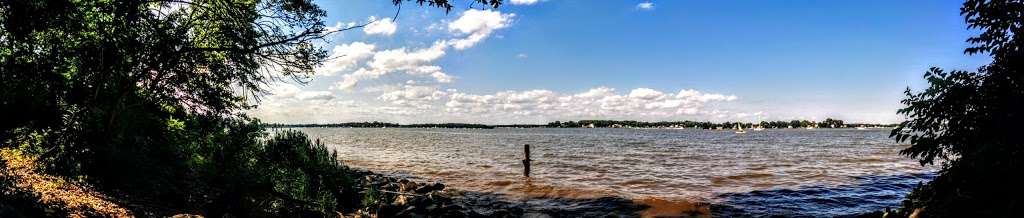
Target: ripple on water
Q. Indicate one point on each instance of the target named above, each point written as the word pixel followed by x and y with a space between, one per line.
pixel 787 172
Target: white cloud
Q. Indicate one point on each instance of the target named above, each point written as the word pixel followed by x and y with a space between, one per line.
pixel 646 94
pixel 474 24
pixel 645 6
pixel 383 26
pixel 524 2
pixel 597 92
pixel 339 26
pixel 413 92
pixel 413 95
pixel 522 55
pixel 403 59
pixel 282 91
pixel 415 102
pixel 477 25
pixel 695 95
pixel 344 57
pixel 289 102
pixel 416 62
pixel 599 102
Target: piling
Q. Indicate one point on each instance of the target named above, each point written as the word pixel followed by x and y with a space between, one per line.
pixel 526 161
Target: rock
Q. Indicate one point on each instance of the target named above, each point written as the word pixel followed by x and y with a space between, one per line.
pixel 408 211
pixel 423 189
pixel 438 186
pixel 401 200
pixel 407 187
pixel 455 207
pixel 454 213
pixel 389 186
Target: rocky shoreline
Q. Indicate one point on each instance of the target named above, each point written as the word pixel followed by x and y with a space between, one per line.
pixel 389 196
pixel 386 196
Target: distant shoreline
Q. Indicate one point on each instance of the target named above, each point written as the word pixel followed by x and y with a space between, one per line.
pixel 827 124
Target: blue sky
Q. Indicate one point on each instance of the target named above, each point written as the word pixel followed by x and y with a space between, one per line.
pixel 674 60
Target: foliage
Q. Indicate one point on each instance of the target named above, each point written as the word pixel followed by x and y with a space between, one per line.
pixel 143 99
pixel 966 122
pixel 95 75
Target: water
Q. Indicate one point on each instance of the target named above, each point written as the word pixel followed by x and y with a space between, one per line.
pixel 822 172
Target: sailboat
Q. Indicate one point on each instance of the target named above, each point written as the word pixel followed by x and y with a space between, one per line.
pixel 756 128
pixel 739 129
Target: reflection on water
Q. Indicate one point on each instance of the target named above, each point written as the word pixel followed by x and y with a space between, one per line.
pixel 664 169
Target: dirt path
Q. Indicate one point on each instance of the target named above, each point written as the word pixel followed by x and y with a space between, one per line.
pixel 55 192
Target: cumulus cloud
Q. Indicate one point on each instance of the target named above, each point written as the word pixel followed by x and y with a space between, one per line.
pixel 477 25
pixel 599 102
pixel 702 97
pixel 414 62
pixel 596 102
pixel 415 102
pixel 597 92
pixel 645 93
pixel 344 57
pixel 524 2
pixel 645 6
pixel 470 28
pixel 383 26
pixel 339 26
pixel 286 101
pixel 281 91
pixel 413 95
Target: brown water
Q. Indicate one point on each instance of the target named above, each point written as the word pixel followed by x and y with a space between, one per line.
pixel 801 172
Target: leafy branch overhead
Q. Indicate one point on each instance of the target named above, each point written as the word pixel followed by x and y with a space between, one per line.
pixel 964 121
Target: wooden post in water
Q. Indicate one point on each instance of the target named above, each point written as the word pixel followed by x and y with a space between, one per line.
pixel 526 161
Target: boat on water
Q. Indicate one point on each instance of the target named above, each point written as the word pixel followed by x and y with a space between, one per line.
pixel 739 129
pixel 757 128
pixel 861 127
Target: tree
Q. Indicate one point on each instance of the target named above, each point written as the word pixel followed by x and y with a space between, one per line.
pixel 965 122
pixel 831 123
pixel 144 97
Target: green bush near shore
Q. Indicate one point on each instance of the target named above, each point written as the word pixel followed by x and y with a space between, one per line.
pixel 241 170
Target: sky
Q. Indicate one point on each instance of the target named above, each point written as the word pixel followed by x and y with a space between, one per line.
pixel 537 61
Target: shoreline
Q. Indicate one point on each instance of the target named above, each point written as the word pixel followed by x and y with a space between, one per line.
pixel 405 197
pixel 478 204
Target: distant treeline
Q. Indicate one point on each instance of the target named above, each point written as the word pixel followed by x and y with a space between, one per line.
pixel 377 124
pixel 827 123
